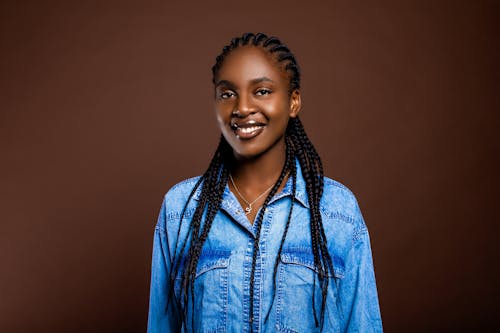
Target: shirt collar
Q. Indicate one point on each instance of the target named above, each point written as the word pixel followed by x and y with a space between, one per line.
pixel 300 193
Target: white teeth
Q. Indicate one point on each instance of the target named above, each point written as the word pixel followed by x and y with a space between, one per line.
pixel 247 130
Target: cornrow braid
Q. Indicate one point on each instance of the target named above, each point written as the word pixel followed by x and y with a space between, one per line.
pixel 272 45
pixel 213 181
pixel 258 38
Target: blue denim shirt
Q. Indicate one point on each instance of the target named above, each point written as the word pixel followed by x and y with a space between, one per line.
pixel 223 272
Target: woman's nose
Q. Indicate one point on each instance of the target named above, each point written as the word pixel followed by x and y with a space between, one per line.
pixel 245 106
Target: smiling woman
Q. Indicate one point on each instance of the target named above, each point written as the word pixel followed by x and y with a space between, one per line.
pixel 262 241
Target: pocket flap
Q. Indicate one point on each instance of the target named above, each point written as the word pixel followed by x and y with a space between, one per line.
pixel 304 257
pixel 212 259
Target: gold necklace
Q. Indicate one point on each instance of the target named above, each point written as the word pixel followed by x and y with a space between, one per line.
pixel 248 208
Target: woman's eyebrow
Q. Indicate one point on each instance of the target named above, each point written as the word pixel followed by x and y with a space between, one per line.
pixel 226 83
pixel 261 79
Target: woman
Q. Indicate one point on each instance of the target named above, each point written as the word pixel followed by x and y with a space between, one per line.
pixel 262 241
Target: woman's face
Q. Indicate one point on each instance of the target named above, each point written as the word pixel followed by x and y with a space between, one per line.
pixel 253 103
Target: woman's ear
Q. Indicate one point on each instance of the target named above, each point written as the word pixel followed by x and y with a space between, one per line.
pixel 295 103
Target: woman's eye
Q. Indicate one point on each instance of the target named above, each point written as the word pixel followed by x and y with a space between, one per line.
pixel 262 92
pixel 226 94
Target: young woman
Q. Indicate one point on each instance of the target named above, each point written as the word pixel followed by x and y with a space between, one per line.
pixel 262 241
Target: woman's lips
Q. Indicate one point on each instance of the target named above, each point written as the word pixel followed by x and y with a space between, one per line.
pixel 248 132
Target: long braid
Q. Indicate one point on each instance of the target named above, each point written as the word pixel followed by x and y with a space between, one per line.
pixel 258 224
pixel 211 193
pixel 313 173
pixel 306 171
pixel 213 207
pixel 293 175
pixel 212 187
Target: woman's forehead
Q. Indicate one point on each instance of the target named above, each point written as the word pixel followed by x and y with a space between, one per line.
pixel 250 62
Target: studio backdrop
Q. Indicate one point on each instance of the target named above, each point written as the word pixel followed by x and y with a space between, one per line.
pixel 106 104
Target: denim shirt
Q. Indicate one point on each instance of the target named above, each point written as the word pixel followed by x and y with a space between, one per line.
pixel 222 284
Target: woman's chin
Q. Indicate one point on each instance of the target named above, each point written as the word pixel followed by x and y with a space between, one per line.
pixel 249 153
pixel 246 155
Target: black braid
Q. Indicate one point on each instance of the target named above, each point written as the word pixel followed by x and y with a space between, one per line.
pixel 293 174
pixel 272 45
pixel 214 180
pixel 258 223
pixel 312 171
pixel 212 187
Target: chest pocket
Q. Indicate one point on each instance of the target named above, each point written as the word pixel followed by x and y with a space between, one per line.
pixel 211 293
pixel 296 276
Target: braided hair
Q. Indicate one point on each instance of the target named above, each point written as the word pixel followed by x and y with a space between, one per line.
pixel 215 178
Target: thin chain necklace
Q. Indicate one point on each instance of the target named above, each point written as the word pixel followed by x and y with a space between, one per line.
pixel 248 208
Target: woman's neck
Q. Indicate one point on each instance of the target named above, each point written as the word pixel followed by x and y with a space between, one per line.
pixel 252 179
pixel 253 176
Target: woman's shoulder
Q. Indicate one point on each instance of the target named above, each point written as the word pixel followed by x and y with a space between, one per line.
pixel 334 187
pixel 339 202
pixel 179 193
pixel 186 184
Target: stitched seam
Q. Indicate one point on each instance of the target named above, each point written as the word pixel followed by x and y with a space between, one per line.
pixel 338 216
pixel 177 215
pixel 358 233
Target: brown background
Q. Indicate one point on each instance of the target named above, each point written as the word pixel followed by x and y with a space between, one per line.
pixel 106 104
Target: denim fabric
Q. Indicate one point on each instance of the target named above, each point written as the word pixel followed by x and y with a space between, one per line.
pixel 223 272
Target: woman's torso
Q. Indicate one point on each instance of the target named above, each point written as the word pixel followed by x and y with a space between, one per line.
pixel 223 273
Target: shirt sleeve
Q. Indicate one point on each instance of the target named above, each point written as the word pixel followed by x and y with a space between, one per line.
pixel 163 316
pixel 358 291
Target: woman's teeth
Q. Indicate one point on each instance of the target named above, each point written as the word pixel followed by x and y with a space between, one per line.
pixel 247 130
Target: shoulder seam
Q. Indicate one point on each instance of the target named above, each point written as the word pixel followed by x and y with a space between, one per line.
pixel 336 184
